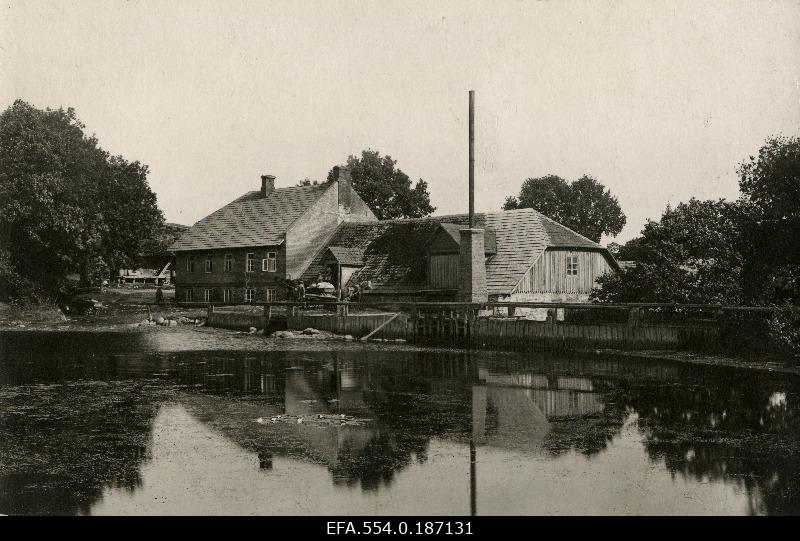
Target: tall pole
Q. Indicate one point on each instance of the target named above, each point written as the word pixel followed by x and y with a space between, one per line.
pixel 471 159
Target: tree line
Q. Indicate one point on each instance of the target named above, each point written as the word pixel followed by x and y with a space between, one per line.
pixel 745 251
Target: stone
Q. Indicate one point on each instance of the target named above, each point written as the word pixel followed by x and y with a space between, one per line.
pixel 253 330
pixel 310 331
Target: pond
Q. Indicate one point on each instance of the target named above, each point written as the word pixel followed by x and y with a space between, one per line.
pixel 97 424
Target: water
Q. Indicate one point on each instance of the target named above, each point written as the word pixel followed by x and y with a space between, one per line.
pixel 103 424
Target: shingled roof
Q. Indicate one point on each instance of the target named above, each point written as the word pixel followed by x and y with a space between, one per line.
pixel 393 251
pixel 250 220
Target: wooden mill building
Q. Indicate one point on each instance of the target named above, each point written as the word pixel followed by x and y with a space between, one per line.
pixel 528 257
pixel 245 251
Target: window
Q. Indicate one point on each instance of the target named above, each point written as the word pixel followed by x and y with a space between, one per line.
pixel 572 265
pixel 190 264
pixel 227 295
pixel 207 295
pixel 188 295
pixel 209 263
pixel 228 262
pixel 271 295
pixel 251 262
pixel 270 264
pixel 249 295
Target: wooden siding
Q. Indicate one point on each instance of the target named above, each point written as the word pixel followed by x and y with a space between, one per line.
pixel 549 273
pixel 237 279
pixel 443 270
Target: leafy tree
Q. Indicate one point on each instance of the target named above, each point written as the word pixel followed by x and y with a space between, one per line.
pixel 386 189
pixel 692 254
pixel 156 248
pixel 64 202
pixel 770 196
pixel 584 205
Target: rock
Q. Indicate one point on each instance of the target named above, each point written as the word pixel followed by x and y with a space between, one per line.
pixel 173 323
pixel 310 331
pixel 160 321
pixel 253 330
pixel 349 337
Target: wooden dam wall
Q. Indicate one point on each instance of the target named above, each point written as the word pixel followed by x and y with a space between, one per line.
pixel 502 325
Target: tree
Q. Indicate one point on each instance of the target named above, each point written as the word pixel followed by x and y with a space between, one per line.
pixel 585 205
pixel 64 202
pixel 770 196
pixel 387 190
pixel 692 254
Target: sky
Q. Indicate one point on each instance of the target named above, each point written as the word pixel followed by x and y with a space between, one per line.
pixel 659 100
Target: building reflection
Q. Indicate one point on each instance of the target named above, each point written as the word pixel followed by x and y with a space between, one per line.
pixel 702 423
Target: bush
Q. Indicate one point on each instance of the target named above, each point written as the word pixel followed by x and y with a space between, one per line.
pixel 784 331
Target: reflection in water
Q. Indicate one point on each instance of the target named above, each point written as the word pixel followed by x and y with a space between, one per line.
pixel 84 431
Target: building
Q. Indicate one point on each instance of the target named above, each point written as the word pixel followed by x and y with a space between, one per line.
pixel 147 276
pixel 248 249
pixel 527 257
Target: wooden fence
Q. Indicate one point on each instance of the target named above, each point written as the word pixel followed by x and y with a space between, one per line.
pixel 502 325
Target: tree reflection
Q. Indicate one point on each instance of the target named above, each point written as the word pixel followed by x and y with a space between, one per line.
pixel 743 432
pixel 62 445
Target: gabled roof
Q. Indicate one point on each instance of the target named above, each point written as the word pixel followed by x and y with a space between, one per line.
pixel 250 220
pixel 345 256
pixel 393 251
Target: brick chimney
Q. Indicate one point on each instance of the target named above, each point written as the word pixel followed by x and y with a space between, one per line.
pixel 345 182
pixel 267 185
pixel 472 266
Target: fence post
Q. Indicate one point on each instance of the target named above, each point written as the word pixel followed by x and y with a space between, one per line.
pixel 511 310
pixel 551 316
pixel 634 316
pixel 267 315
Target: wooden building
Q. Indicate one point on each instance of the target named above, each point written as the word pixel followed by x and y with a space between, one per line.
pixel 528 256
pixel 247 250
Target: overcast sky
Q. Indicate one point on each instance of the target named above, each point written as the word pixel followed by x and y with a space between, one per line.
pixel 658 100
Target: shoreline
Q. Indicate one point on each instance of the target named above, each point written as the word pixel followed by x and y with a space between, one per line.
pixel 187 337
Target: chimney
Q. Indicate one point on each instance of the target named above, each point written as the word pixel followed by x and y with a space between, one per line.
pixel 472 251
pixel 267 185
pixel 345 182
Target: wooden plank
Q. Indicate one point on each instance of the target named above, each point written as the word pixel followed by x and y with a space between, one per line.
pixel 395 316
